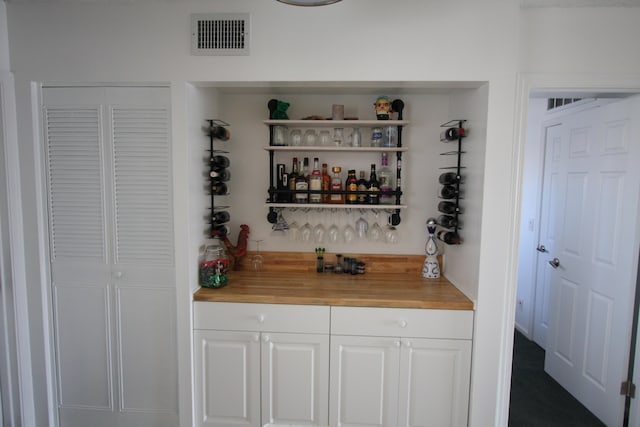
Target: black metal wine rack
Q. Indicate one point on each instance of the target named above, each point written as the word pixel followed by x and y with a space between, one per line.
pixel 216 130
pixel 457 128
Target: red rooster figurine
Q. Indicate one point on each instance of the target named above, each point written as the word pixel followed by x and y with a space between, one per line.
pixel 240 249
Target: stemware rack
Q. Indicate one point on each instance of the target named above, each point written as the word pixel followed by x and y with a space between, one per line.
pixel 457 168
pixel 213 125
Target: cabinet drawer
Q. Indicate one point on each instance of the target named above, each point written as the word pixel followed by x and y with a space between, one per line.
pixel 402 322
pixel 229 316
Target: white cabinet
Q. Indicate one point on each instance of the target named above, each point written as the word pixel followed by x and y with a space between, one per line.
pixel 261 363
pixel 399 367
pixel 340 366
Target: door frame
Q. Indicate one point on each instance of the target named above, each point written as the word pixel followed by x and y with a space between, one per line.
pixel 15 372
pixel 552 83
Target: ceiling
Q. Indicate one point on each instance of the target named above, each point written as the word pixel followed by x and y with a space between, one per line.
pixel 578 3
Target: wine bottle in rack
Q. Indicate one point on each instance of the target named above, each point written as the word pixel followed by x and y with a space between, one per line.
pixel 452 134
pixel 218 162
pixel 449 192
pixel 220 175
pixel 326 183
pixel 447 221
pixel 219 132
pixel 449 237
pixel 449 178
pixel 448 207
pixel 220 217
pixel 219 188
pixel 362 186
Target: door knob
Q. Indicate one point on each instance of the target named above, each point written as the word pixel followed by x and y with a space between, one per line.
pixel 541 248
pixel 555 263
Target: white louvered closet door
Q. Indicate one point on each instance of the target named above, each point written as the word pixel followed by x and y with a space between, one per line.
pixel 108 161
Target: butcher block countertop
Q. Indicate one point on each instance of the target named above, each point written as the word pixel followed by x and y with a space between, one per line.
pixel 290 278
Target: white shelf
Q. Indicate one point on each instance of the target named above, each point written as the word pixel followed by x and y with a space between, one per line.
pixel 332 206
pixel 333 148
pixel 336 123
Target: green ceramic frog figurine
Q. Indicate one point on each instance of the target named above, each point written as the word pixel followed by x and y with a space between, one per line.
pixel 278 109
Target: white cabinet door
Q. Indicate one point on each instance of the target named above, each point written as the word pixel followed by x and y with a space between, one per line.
pixel 109 192
pixel 434 382
pixel 364 381
pixel 227 378
pixel 295 379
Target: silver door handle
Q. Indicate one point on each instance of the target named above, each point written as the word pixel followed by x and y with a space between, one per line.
pixel 541 248
pixel 555 263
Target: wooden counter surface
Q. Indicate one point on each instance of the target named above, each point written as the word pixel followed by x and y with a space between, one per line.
pixel 403 287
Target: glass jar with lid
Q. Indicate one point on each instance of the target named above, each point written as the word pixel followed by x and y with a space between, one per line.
pixel 213 266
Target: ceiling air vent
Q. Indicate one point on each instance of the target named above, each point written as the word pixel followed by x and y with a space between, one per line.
pixel 220 34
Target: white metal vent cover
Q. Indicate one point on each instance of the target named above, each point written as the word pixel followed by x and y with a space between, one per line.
pixel 220 34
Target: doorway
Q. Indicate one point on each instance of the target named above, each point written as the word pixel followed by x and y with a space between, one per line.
pixel 534 307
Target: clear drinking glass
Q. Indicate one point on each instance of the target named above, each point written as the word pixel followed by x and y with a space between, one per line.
pixel 257 259
pixel 310 138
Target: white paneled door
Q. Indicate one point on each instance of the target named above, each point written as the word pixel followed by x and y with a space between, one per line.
pixel 107 158
pixel 594 260
pixel 549 217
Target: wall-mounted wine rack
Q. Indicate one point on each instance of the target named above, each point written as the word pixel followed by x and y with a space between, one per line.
pixel 218 176
pixel 450 193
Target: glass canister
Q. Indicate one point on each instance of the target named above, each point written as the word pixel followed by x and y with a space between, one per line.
pixel 214 266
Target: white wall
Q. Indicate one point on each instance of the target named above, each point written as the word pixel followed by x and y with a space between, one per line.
pixel 355 40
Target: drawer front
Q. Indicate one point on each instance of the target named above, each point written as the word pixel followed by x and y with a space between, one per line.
pixel 230 316
pixel 402 322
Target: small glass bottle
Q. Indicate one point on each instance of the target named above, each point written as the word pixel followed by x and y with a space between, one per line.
pixel 356 138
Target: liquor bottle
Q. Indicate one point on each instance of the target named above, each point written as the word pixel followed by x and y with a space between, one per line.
pixel 449 237
pixel 282 183
pixel 220 217
pixel 293 177
pixel 336 186
pixel 315 183
pixel 449 192
pixel 449 178
pixel 351 185
pixel 326 183
pixel 219 188
pixel 452 134
pixel 217 163
pixel 302 183
pixel 220 175
pixel 448 207
pixel 373 186
pixel 362 186
pixel 447 221
pixel 386 182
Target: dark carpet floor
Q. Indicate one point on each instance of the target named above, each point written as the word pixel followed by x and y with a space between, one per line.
pixel 537 400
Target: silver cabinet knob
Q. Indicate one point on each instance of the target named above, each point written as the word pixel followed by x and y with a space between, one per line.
pixel 541 248
pixel 555 263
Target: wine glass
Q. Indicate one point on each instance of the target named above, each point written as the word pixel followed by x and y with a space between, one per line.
pixel 257 259
pixel 375 233
pixel 318 233
pixel 293 233
pixel 391 234
pixel 305 232
pixel 362 226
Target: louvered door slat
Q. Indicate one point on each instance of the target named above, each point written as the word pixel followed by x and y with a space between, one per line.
pixel 143 203
pixel 73 146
